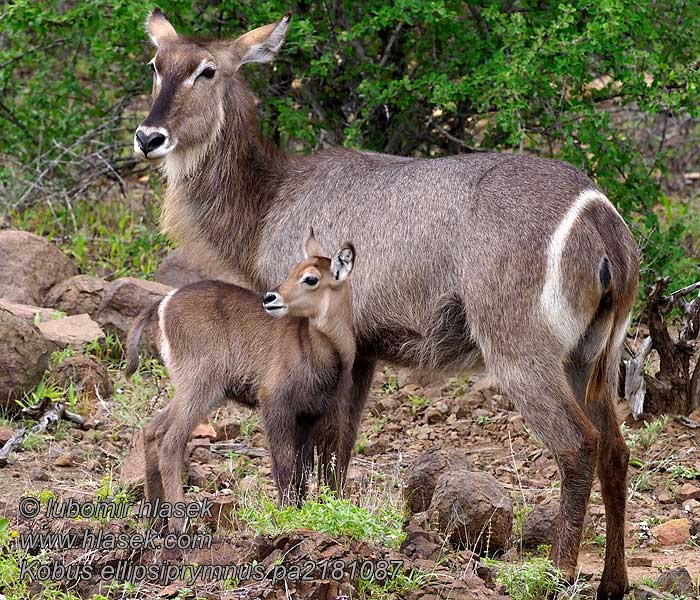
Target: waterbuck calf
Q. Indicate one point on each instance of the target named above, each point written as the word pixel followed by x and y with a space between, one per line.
pixel 513 261
pixel 290 352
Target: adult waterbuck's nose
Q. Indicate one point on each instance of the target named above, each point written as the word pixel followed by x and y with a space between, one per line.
pixel 152 142
pixel 149 142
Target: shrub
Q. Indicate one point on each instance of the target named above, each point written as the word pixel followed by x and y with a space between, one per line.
pixel 579 80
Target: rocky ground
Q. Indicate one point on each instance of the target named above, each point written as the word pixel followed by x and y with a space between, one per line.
pixel 447 482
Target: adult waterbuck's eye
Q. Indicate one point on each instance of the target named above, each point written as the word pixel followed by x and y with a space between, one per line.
pixel 310 280
pixel 208 73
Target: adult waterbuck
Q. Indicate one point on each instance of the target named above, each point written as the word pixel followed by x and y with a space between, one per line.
pixel 513 261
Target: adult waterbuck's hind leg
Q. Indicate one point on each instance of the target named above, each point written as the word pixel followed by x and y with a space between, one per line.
pixel 537 384
pixel 593 372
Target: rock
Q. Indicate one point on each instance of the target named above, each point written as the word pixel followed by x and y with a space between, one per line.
pixel 375 447
pixel 639 561
pixel 473 510
pixel 664 497
pixel 24 356
pixel 221 510
pixel 179 269
pixel 228 429
pixel 31 314
pixel 643 592
pixel 87 374
pixel 204 430
pixel 38 474
pixel 75 332
pixel 77 295
pixel 424 544
pixel 540 525
pixel 670 533
pixel 31 266
pixel 123 300
pixel 64 460
pixel 198 475
pixel 6 433
pixel 689 492
pixel 424 473
pixel 676 581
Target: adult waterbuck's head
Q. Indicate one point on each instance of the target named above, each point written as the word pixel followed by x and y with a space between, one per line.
pixel 191 79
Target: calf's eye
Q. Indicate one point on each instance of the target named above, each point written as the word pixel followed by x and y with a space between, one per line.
pixel 310 280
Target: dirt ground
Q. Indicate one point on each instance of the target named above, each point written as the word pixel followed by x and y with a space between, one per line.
pixel 402 421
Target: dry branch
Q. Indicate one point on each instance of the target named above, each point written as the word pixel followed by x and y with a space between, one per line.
pixel 674 389
pixel 232 447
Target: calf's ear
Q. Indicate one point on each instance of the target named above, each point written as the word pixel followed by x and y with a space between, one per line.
pixel 311 245
pixel 343 261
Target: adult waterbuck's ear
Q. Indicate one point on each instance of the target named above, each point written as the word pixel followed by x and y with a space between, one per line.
pixel 311 245
pixel 262 44
pixel 343 261
pixel 159 28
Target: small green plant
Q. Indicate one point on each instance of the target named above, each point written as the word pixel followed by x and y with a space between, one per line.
pixel 59 356
pixel 361 445
pixel 109 350
pixel 683 472
pixel 33 442
pixel 533 579
pixel 251 425
pixel 397 585
pixel 43 390
pixel 459 385
pixel 482 420
pixel 641 482
pixel 520 512
pixel 418 403
pixel 391 384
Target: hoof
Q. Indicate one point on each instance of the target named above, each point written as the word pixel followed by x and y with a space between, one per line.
pixel 608 590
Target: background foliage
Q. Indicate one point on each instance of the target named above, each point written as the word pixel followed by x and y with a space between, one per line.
pixel 608 85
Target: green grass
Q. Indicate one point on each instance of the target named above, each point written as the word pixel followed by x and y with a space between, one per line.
pixel 326 513
pixel 11 587
pixel 134 397
pixel 534 579
pixel 112 238
pixel 397 585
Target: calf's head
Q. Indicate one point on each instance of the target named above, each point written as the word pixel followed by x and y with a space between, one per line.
pixel 317 288
pixel 190 81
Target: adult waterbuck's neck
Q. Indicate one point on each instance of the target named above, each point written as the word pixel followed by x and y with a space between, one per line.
pixel 203 129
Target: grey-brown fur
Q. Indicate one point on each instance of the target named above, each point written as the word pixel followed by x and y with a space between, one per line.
pixel 219 343
pixel 465 240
